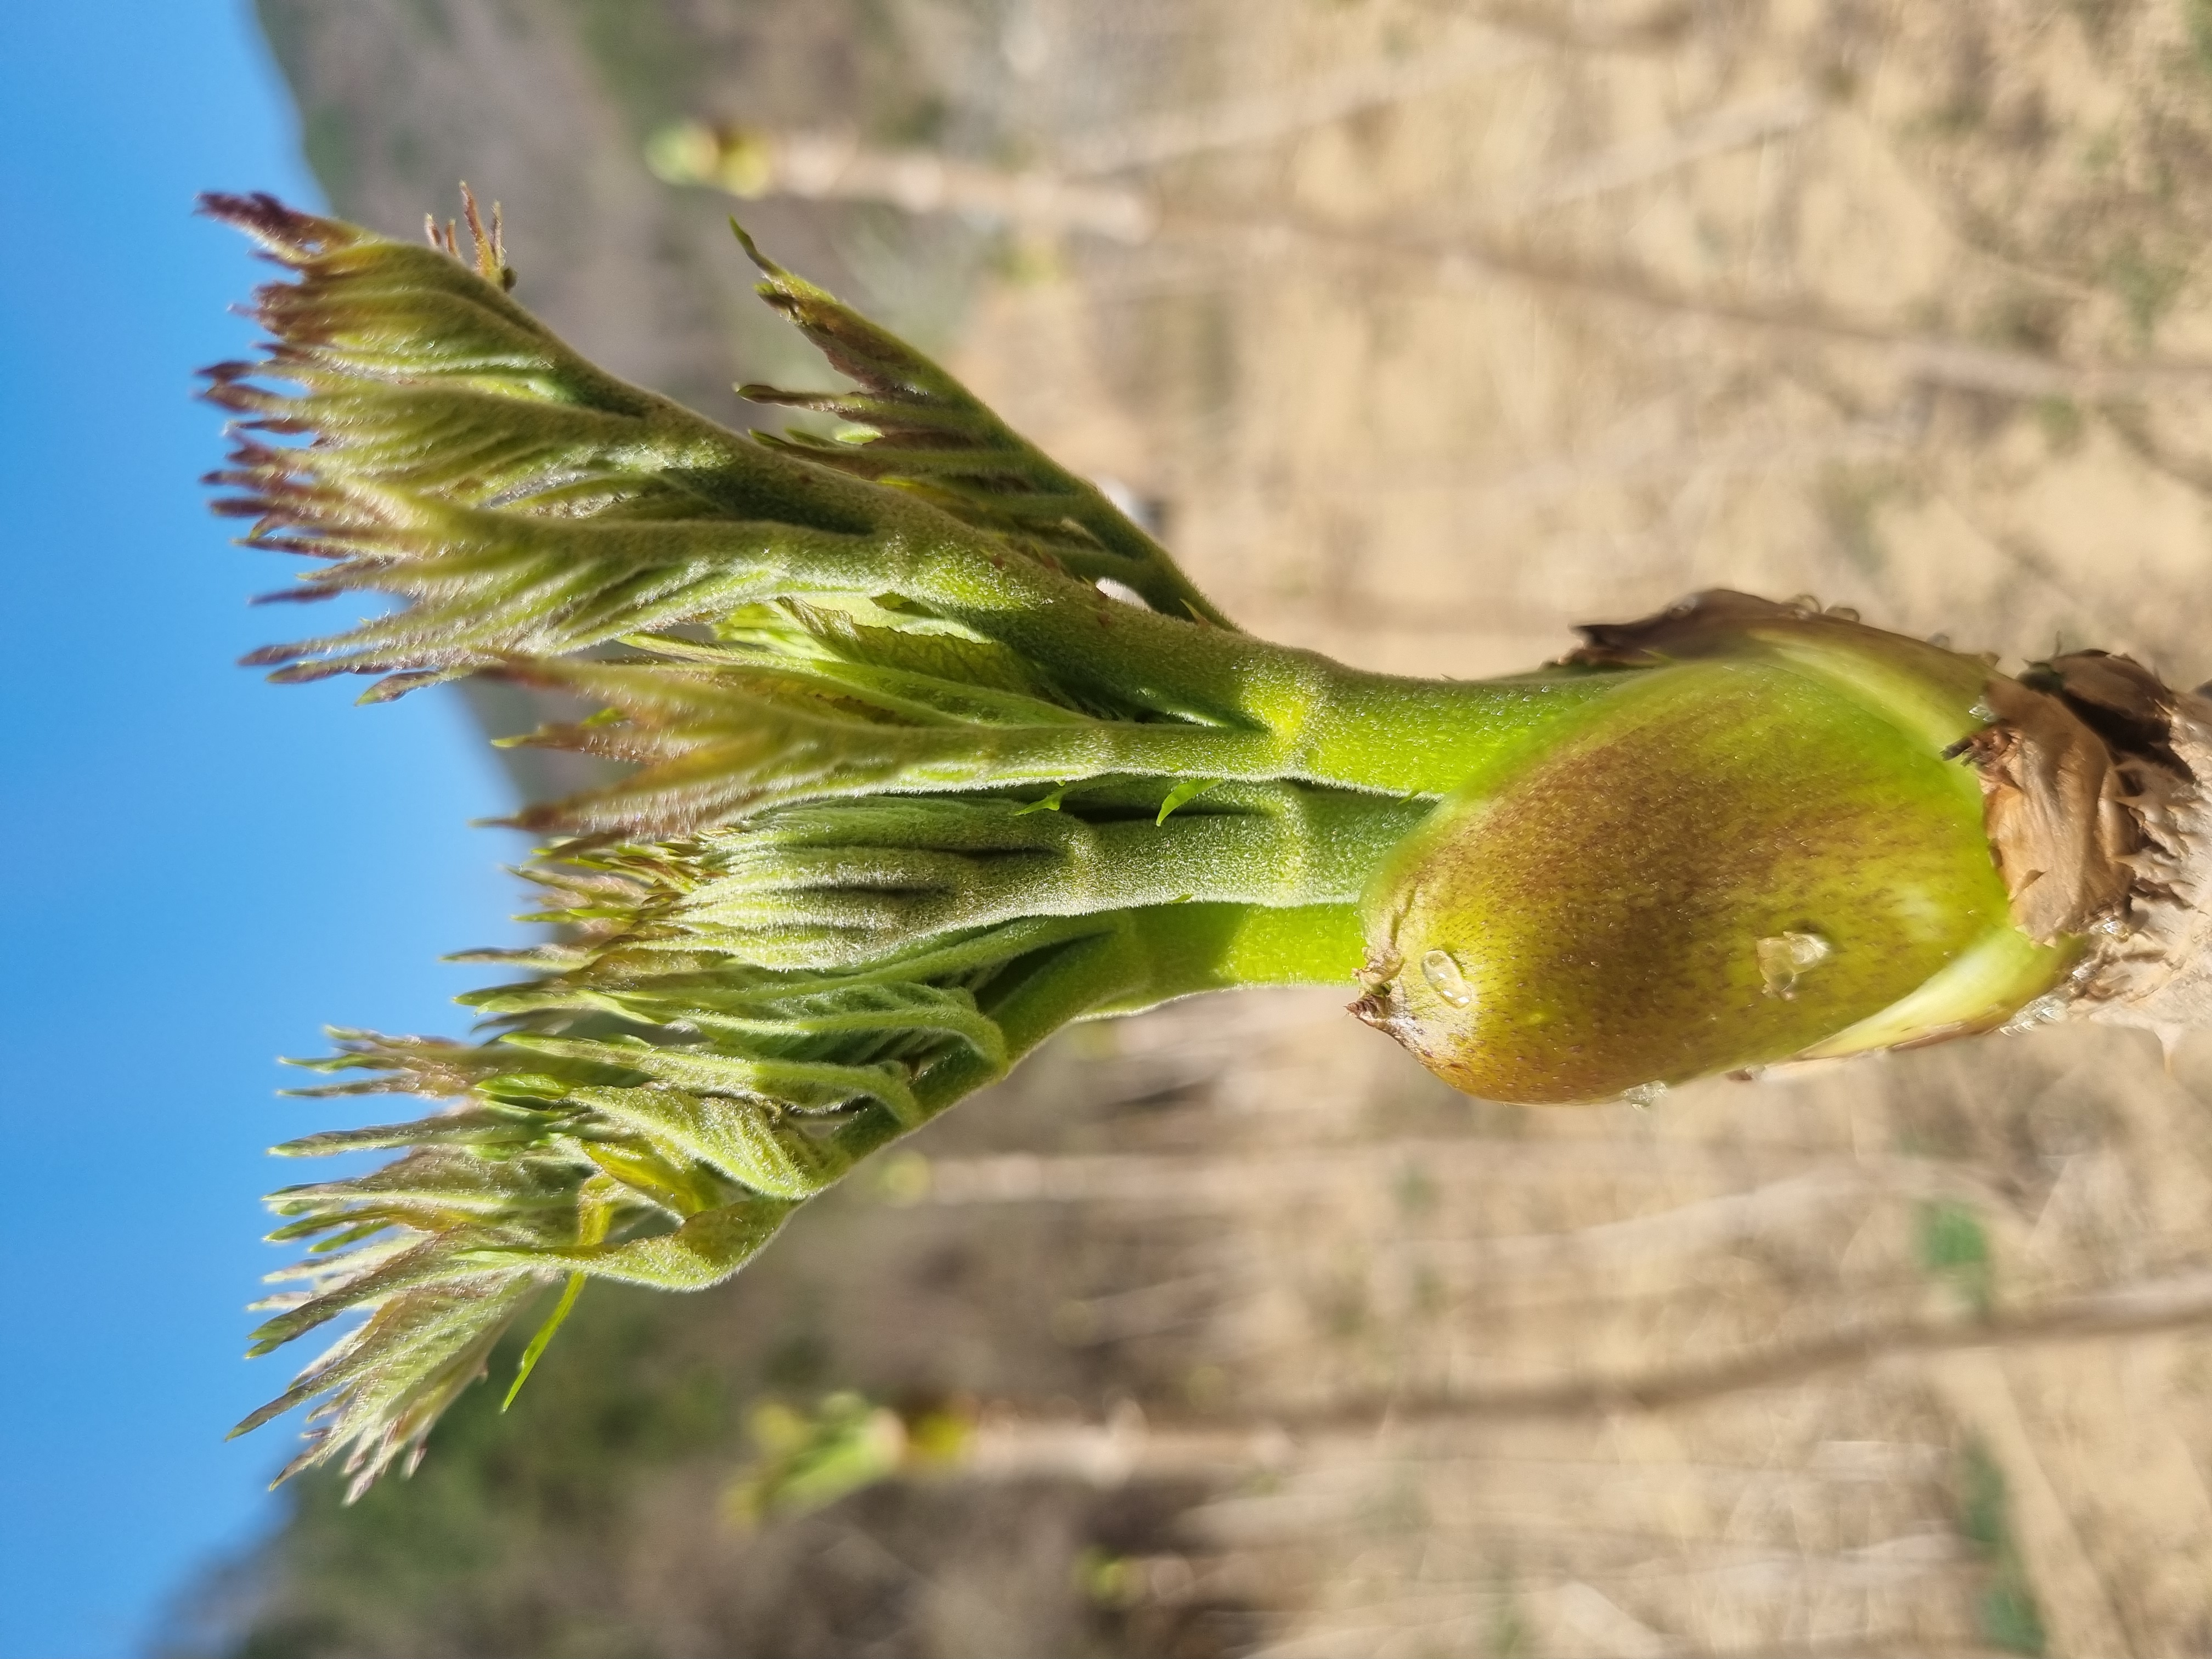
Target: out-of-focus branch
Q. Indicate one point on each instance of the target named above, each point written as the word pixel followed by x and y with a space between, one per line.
pixel 831 166
pixel 753 162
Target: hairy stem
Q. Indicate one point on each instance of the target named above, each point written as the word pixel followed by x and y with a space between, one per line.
pixel 829 885
pixel 1129 961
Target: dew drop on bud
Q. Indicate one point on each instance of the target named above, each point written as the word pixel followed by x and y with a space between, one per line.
pixel 1644 1096
pixel 1804 604
pixel 1783 957
pixel 1843 613
pixel 1444 977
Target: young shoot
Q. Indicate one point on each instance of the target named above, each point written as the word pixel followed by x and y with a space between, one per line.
pixel 913 784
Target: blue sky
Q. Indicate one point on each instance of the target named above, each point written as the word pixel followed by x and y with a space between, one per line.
pixel 204 869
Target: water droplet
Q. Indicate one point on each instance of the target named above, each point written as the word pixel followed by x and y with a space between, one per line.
pixel 1443 976
pixel 1644 1096
pixel 1843 613
pixel 1982 712
pixel 1941 641
pixel 1783 957
pixel 1803 604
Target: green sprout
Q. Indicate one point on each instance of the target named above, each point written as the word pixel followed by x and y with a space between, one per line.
pixel 932 751
pixel 808 1460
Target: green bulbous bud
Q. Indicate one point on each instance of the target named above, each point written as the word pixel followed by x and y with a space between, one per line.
pixel 1760 847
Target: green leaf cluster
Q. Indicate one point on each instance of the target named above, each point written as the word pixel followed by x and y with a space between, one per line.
pixel 932 752
pixel 825 901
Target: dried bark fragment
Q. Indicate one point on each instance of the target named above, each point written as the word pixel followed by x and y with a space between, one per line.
pixel 2049 792
pixel 2152 963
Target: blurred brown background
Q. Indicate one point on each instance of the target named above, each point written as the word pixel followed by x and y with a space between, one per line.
pixel 1423 330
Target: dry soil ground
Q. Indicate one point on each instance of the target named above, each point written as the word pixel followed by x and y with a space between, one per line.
pixel 1460 324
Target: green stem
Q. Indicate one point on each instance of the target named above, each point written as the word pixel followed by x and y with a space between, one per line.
pixel 1187 950
pixel 1240 707
pixel 1289 713
pixel 825 886
pixel 1121 963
